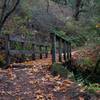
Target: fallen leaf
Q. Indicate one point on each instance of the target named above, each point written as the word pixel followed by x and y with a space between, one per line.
pixel 81 98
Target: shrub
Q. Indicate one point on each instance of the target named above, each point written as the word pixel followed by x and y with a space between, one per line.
pixel 59 69
pixel 86 64
pixel 1 60
pixel 93 88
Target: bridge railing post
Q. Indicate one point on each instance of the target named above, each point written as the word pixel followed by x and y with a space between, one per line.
pixel 7 49
pixel 53 38
pixel 33 48
pixel 64 51
pixel 60 50
pixel 40 50
pixel 69 52
pixel 23 55
pixel 46 51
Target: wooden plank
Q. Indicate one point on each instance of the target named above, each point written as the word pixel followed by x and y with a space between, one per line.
pixel 29 52
pixel 2 51
pixel 69 51
pixel 53 38
pixel 60 37
pixel 21 65
pixel 65 50
pixel 46 51
pixel 23 55
pixel 18 39
pixel 7 48
pixel 40 48
pixel 33 54
pixel 2 36
pixel 60 50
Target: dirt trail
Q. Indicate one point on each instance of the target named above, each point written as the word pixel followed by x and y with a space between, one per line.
pixel 35 82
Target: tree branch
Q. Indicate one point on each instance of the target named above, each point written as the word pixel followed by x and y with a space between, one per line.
pixel 3 10
pixel 48 5
pixel 4 17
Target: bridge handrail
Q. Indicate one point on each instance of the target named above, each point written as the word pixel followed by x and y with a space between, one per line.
pixel 65 50
pixel 9 52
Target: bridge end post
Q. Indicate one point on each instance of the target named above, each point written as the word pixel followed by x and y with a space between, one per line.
pixel 53 39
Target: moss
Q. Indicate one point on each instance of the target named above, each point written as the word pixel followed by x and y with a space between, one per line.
pixel 92 88
pixel 59 69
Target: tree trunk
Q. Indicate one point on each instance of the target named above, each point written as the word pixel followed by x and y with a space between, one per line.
pixel 77 9
pixel 5 14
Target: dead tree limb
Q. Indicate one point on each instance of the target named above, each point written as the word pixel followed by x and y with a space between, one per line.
pixel 5 13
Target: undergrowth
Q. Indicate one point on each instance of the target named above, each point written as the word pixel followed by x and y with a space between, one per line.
pixel 78 77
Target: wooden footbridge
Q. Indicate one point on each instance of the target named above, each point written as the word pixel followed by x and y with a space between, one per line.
pixel 58 47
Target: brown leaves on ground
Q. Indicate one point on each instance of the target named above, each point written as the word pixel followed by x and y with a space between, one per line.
pixel 36 83
pixel 62 86
pixel 91 53
pixel 10 73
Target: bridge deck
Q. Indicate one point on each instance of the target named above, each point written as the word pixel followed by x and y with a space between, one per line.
pixel 36 82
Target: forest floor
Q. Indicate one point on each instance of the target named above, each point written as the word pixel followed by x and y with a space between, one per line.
pixel 35 82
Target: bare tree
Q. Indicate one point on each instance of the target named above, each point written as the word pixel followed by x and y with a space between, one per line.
pixel 48 4
pixel 6 9
pixel 77 9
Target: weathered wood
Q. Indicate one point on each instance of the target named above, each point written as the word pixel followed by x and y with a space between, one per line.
pixel 2 36
pixel 65 51
pixel 46 51
pixel 20 65
pixel 60 50
pixel 23 40
pixel 28 52
pixel 7 49
pixel 68 51
pixel 40 49
pixel 53 38
pixel 19 39
pixel 59 36
pixel 33 48
pixel 23 55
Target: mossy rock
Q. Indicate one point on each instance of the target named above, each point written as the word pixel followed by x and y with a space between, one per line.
pixel 59 69
pixel 2 63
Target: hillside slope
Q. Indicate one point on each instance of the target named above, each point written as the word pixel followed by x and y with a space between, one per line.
pixel 46 16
